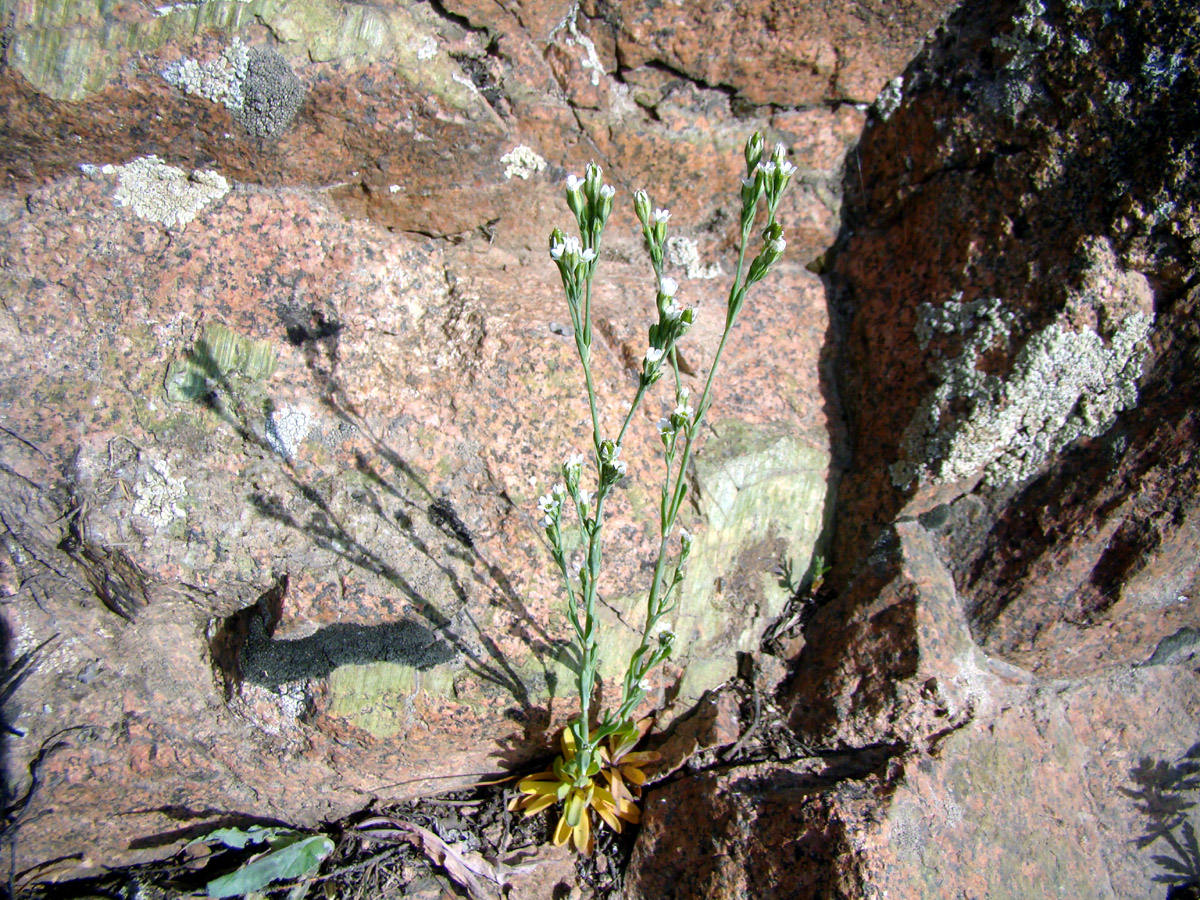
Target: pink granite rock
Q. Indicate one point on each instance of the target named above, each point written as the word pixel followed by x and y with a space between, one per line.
pixel 271 479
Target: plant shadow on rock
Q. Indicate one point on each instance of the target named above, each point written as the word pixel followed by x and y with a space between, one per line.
pixel 1166 795
pixel 244 648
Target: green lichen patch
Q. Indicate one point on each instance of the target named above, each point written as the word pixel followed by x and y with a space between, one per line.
pixel 376 697
pixel 220 357
pixel 69 49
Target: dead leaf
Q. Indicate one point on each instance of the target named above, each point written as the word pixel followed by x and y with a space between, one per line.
pixel 465 870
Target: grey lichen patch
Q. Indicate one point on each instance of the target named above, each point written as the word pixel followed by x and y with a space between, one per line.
pixel 257 85
pixel 165 194
pixel 890 98
pixel 159 495
pixel 1065 383
pixel 220 358
pixel 1013 88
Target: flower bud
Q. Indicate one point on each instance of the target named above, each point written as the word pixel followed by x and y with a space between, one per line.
pixel 593 179
pixel 754 151
pixel 642 206
pixel 558 244
pixel 575 200
pixel 571 470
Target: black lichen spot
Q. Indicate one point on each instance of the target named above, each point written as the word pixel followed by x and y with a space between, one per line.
pixel 271 93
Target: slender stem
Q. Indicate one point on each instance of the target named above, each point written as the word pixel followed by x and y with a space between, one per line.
pixel 730 321
pixel 637 400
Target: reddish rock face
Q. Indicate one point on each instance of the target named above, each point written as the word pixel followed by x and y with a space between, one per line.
pixel 298 460
pixel 940 770
pixel 782 53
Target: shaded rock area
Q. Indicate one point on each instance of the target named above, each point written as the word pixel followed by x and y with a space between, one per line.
pixel 285 371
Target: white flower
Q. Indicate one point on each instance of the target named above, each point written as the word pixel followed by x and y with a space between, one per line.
pixel 778 245
pixel 574 182
pixel 548 504
pixel 653 355
pixel 585 498
pixel 619 467
pixel 767 168
pixel 607 191
pixel 684 393
pixel 787 169
pixel 559 491
pixel 587 255
pixel 665 428
pixel 575 461
pixel 685 541
pixel 683 411
pixel 672 312
pixel 645 685
pixel 570 247
pixel 669 287
pixel 661 215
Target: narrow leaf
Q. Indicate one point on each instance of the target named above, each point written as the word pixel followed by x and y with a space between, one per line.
pixel 294 860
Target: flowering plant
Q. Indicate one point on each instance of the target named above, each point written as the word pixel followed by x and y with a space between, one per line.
pixel 596 763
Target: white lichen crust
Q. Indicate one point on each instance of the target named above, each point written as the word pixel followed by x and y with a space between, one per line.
pixel 287 427
pixel 1065 383
pixel 158 495
pixel 165 194
pixel 522 162
pixel 685 252
pixel 218 80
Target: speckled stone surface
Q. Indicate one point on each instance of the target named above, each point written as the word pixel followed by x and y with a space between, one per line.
pixel 270 467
